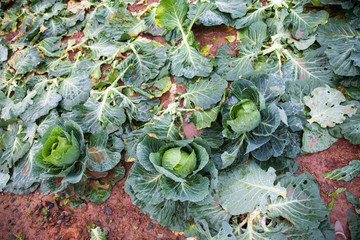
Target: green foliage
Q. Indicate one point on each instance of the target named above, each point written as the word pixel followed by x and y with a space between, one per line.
pixel 80 83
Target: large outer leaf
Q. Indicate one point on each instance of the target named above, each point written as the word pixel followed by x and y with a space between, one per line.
pixel 233 67
pixel 75 89
pixel 334 32
pixel 304 24
pixel 343 58
pixel 26 60
pixel 102 47
pixel 24 179
pixel 41 106
pixel 212 212
pixel 302 206
pixel 122 25
pixel 194 189
pixel 147 185
pixel 205 93
pixel 257 15
pixel 270 120
pixel 350 128
pixel 325 107
pixel 94 115
pixel 171 13
pixel 316 139
pixel 243 189
pixel 187 61
pixel 346 173
pixel 313 65
pixel 343 46
pixel 163 127
pixel 14 146
pixel 237 9
pixel 203 119
pixel 148 58
pixel 101 159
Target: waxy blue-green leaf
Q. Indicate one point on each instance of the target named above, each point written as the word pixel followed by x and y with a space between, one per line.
pixel 122 25
pixel 147 185
pixel 24 179
pixel 3 52
pixel 102 47
pixel 94 115
pixel 334 32
pixel 236 9
pixel 257 13
pixel 346 173
pixel 187 61
pixel 41 106
pixel 100 158
pixel 243 189
pixel 302 206
pixel 163 127
pixel 343 46
pixel 26 61
pixel 313 65
pixel 270 120
pixel 51 47
pixel 194 189
pixel 204 93
pixel 316 139
pixel 14 145
pixel 75 89
pixel 147 59
pixel 305 24
pixel 212 212
pixel 54 27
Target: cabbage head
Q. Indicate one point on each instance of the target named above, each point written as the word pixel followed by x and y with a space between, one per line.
pixel 245 116
pixel 63 153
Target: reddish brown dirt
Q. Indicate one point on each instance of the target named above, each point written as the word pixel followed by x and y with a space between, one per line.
pixel 21 215
pixel 337 156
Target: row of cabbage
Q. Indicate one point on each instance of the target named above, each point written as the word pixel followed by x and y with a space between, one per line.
pixel 71 105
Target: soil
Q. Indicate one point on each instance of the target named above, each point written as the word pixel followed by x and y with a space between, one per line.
pixel 24 215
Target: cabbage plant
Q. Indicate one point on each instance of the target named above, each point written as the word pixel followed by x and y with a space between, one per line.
pixel 63 154
pixel 167 177
pixel 255 121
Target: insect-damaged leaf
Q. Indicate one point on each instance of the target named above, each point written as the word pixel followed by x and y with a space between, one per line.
pixel 346 173
pixel 325 107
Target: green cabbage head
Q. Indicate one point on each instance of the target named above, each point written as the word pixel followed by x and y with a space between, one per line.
pixel 245 116
pixel 60 149
pixel 179 162
pixel 63 152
